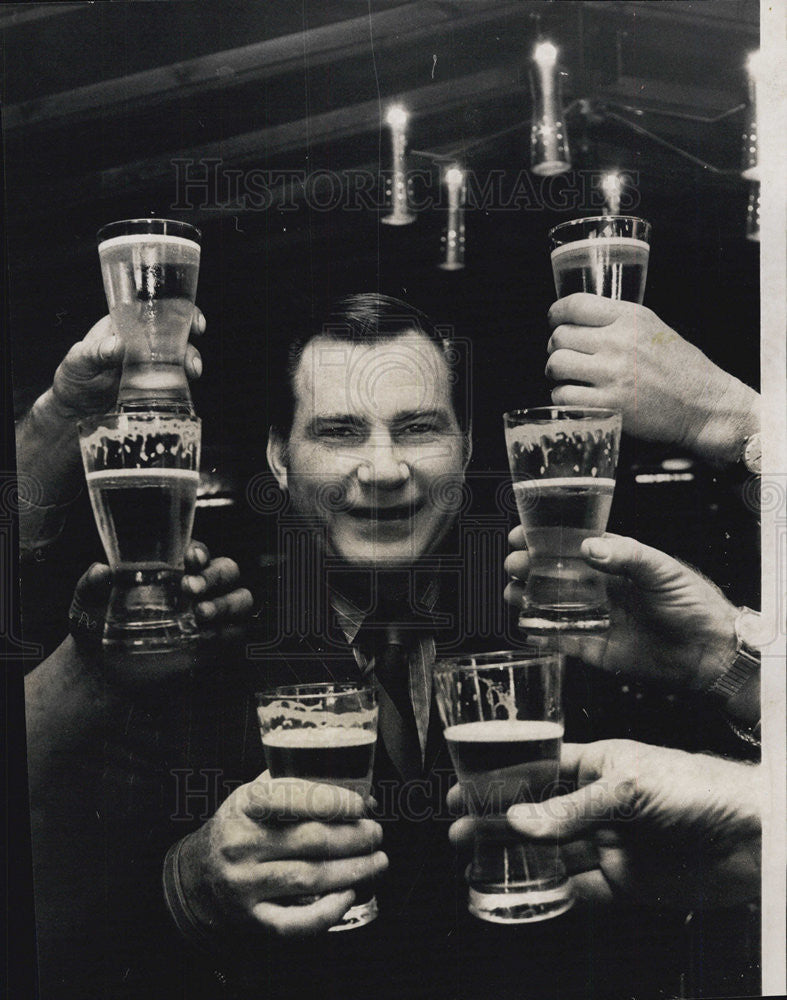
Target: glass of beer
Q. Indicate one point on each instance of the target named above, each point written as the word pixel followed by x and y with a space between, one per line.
pixel 607 255
pixel 504 728
pixel 142 471
pixel 563 461
pixel 326 733
pixel 150 269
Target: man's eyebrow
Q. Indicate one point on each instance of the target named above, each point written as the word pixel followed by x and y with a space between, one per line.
pixel 408 416
pixel 336 418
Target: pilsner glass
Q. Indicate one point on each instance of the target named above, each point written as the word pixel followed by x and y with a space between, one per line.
pixel 150 269
pixel 504 728
pixel 563 461
pixel 607 255
pixel 142 471
pixel 327 733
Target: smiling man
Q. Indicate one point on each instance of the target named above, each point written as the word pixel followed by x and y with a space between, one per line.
pixel 372 442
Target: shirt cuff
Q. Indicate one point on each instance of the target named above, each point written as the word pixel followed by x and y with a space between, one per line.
pixel 177 904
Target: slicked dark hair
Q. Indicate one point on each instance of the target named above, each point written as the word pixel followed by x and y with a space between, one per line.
pixel 371 318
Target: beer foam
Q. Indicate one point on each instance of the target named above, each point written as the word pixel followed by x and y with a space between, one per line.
pixel 505 731
pixel 151 426
pixel 598 432
pixel 561 481
pixel 322 736
pixel 147 472
pixel 155 238
pixel 600 242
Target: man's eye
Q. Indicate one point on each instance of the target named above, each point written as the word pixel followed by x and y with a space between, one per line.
pixel 421 428
pixel 339 431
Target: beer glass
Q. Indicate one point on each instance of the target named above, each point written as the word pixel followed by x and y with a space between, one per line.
pixel 605 256
pixel 563 461
pixel 142 471
pixel 326 733
pixel 150 269
pixel 504 728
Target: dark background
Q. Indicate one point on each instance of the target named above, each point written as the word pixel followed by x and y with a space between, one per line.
pixel 99 99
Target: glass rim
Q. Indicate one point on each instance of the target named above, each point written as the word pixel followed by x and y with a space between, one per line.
pixel 597 218
pixel 501 659
pixel 541 414
pixel 156 226
pixel 318 689
pixel 92 422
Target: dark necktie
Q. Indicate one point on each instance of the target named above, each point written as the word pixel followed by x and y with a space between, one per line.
pixel 397 721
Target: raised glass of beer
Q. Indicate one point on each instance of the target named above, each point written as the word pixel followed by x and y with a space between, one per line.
pixel 326 733
pixel 150 269
pixel 504 728
pixel 607 255
pixel 563 461
pixel 142 471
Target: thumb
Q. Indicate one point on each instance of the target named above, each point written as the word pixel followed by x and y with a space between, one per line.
pixel 568 817
pixel 89 604
pixel 648 568
pixel 99 349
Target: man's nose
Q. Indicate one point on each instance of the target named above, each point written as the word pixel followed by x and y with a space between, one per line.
pixel 383 464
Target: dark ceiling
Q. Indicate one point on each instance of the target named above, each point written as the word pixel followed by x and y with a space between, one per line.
pixel 108 105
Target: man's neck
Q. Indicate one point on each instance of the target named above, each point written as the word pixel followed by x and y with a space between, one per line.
pixel 384 594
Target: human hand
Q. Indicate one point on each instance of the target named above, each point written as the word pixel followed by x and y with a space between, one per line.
pixel 272 841
pixel 619 354
pixel 668 623
pixel 647 824
pixel 86 380
pixel 222 605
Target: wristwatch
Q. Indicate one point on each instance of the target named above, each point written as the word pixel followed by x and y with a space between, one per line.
pixel 746 664
pixel 751 454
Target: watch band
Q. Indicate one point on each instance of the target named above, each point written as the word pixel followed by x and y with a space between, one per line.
pixel 745 663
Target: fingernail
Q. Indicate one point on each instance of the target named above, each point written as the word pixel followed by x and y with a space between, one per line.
pixel 196 366
pixel 207 609
pixel 107 348
pixel 196 584
pixel 597 548
pixel 201 323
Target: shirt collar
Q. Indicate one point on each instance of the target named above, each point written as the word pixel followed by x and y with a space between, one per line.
pixel 350 617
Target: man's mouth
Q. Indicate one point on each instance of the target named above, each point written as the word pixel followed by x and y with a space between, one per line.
pixel 390 512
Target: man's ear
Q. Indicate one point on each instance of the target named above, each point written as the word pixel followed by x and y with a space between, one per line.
pixel 276 453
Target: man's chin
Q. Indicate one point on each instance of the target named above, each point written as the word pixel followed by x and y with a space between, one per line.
pixel 378 556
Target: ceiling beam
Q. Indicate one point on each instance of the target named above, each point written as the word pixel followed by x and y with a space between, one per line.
pixel 258 61
pixel 259 146
pixel 21 13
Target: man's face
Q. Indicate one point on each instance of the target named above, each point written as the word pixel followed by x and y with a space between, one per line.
pixel 375 453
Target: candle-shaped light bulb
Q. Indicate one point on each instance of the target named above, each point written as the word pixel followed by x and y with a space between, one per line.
pixel 397 116
pixel 611 186
pixel 453 238
pixel 750 166
pixel 400 214
pixel 549 153
pixel 753 213
pixel 545 54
